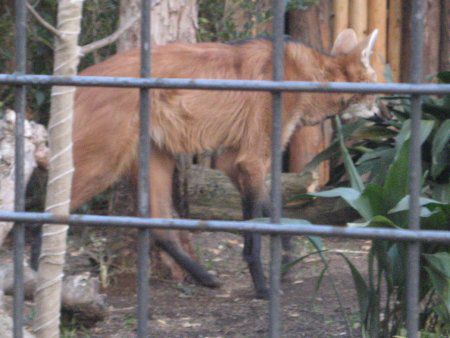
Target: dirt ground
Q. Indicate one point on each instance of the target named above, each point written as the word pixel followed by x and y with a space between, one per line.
pixel 188 310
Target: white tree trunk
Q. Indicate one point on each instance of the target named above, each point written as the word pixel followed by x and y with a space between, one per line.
pixel 36 153
pixel 171 20
pixel 51 261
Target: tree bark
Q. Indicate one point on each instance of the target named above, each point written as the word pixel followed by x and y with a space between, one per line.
pixel 170 21
pixel 308 141
pixel 36 153
pixel 51 261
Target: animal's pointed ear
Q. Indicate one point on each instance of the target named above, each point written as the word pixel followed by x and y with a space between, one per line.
pixel 367 48
pixel 345 42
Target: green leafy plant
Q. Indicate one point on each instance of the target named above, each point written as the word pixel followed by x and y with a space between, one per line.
pixel 374 144
pixel 381 295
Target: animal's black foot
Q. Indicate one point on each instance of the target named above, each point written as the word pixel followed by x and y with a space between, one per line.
pixel 211 281
pixel 262 293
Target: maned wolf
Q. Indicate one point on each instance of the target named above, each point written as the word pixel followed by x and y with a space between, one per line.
pixel 194 121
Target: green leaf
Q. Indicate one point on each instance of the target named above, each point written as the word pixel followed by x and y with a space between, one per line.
pixel 441 192
pixel 370 203
pixel 375 222
pixel 332 149
pixel 439 261
pixel 444 76
pixel 348 194
pixel 355 180
pixel 403 205
pixel 440 150
pixel 426 126
pixel 396 184
pixel 362 290
pixel 286 267
pixel 439 272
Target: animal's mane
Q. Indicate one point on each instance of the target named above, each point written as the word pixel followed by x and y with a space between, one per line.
pixel 265 37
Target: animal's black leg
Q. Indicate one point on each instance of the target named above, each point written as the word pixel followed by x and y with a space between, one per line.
pixel 286 239
pixel 252 248
pixel 36 244
pixel 197 272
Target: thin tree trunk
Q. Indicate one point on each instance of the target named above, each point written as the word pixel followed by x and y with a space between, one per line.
pixel 51 261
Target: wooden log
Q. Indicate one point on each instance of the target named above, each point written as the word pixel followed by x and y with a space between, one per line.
pixel 340 21
pixel 378 20
pixel 444 55
pixel 394 40
pixel 213 196
pixel 307 142
pixel 358 17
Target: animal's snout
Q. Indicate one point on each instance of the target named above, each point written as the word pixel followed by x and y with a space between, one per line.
pixel 361 110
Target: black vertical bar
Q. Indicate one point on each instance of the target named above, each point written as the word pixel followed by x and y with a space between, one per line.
pixel 19 190
pixel 415 170
pixel 278 8
pixel 143 179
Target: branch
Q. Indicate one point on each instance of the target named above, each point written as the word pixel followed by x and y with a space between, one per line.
pixel 89 48
pixel 43 22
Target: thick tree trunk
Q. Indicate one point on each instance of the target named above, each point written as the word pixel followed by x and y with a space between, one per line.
pixel 307 142
pixel 170 21
pixel 51 261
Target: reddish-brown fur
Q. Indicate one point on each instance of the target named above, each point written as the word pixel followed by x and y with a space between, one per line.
pixel 193 121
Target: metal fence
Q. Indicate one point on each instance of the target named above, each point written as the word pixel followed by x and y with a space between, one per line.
pixel 414 236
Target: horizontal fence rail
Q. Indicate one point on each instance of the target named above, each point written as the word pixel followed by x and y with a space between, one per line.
pixel 218 84
pixel 231 226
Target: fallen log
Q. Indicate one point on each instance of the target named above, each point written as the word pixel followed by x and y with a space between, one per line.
pixel 213 196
